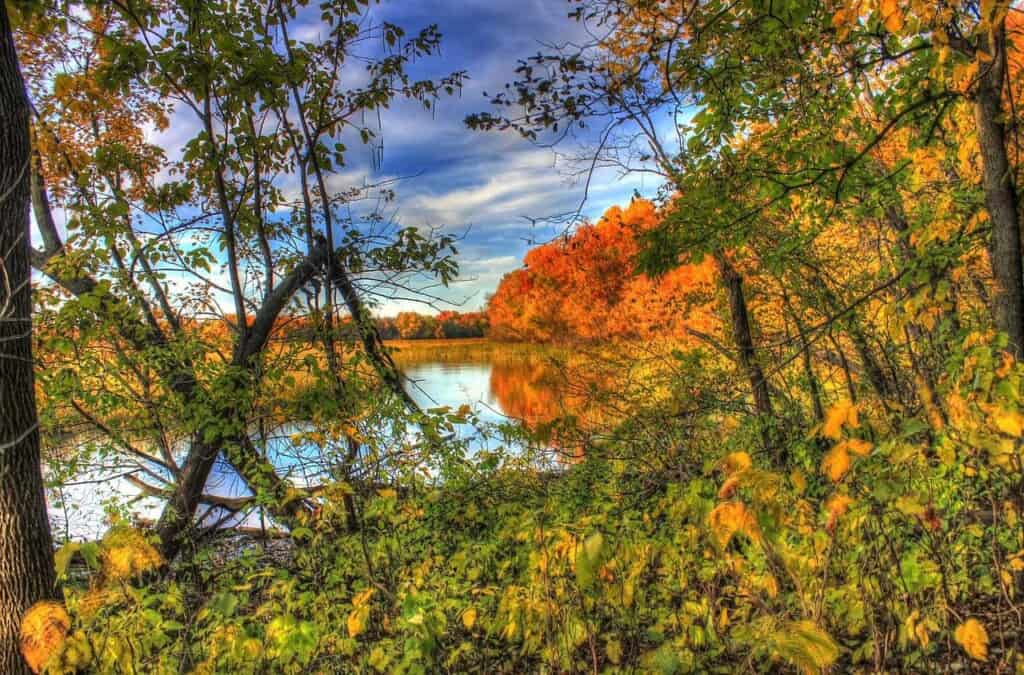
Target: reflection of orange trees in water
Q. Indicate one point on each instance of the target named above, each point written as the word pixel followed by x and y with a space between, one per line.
pixel 527 390
pixel 567 398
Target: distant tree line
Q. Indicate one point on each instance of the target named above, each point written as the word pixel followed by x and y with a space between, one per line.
pixel 445 325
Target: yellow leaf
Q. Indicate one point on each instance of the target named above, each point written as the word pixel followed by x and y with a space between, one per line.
pixel 858 446
pixel 1010 422
pixel 357 620
pixel 362 598
pixel 841 414
pixel 729 487
pixel 836 463
pixel 469 618
pixel 729 518
pixel 837 507
pixel 43 630
pixel 806 646
pixel 735 462
pixel 892 15
pixel 388 493
pixel 917 629
pixel 613 648
pixel 909 505
pixel 971 635
pixel 126 553
pixel 1006 365
pixel 798 480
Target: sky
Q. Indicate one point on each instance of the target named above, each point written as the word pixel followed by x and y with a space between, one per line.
pixel 483 186
pixel 493 190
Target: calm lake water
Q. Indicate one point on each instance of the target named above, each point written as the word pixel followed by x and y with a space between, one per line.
pixel 500 382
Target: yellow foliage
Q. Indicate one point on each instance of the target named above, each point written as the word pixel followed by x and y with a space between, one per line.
pixel 972 636
pixel 892 15
pixel 96 599
pixel 43 631
pixel 841 21
pixel 1005 365
pixel 1010 422
pixel 841 414
pixel 806 646
pixel 857 446
pixel 360 614
pixel 357 620
pixel 799 481
pixel 362 598
pixel 469 618
pixel 917 630
pixel 729 487
pixel 728 518
pixel 126 553
pixel 735 462
pixel 836 463
pixel 837 507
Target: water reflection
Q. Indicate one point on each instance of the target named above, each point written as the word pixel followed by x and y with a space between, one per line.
pixel 499 382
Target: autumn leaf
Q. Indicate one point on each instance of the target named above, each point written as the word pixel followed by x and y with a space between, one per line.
pixel 729 518
pixel 1010 422
pixel 469 618
pixel 126 553
pixel 588 559
pixel 841 414
pixel 43 630
pixel 836 463
pixel 729 487
pixel 806 646
pixel 972 636
pixel 837 506
pixel 857 446
pixel 357 620
pixel 917 629
pixel 892 15
pixel 799 481
pixel 735 462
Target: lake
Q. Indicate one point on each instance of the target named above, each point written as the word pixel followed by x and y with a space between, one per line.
pixel 500 382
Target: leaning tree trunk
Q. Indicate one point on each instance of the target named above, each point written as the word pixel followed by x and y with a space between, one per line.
pixel 1000 196
pixel 743 337
pixel 26 548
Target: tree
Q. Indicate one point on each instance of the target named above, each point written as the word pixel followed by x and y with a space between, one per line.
pixel 586 286
pixel 133 294
pixel 413 326
pixel 774 105
pixel 26 547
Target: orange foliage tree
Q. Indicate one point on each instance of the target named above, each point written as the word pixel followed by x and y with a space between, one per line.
pixel 585 286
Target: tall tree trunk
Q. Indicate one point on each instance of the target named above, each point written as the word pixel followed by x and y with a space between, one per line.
pixel 742 336
pixel 1000 195
pixel 26 547
pixel 814 389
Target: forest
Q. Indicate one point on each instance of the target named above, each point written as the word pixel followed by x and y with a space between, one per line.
pixel 752 404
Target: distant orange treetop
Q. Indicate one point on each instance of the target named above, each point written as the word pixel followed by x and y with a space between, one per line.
pixel 585 286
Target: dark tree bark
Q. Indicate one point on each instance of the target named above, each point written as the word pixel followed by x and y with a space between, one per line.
pixel 26 547
pixel 805 353
pixel 1000 195
pixel 742 336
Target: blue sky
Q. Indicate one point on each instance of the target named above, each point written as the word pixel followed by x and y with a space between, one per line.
pixel 487 187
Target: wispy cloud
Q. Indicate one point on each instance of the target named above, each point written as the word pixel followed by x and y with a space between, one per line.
pixel 494 188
